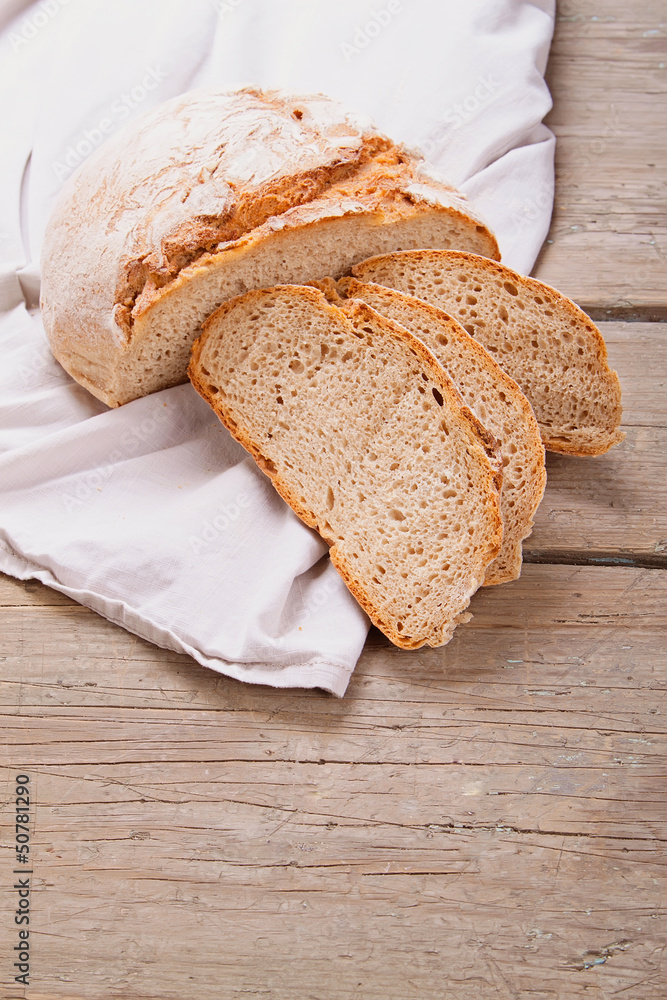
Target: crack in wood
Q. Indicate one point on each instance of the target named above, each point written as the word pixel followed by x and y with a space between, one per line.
pixel 580 557
pixel 598 956
pixel 637 312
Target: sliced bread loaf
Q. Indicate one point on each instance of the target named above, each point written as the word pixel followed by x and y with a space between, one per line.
pixel 365 436
pixel 538 336
pixel 212 194
pixel 493 397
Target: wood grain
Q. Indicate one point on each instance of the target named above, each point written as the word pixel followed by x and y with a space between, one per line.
pixel 607 71
pixel 72 673
pixel 337 882
pixel 483 820
pixel 613 509
pixel 500 796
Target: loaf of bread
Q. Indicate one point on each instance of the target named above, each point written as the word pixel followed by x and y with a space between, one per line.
pixel 538 336
pixel 493 397
pixel 365 436
pixel 210 195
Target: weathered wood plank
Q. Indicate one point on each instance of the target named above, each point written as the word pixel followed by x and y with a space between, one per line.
pixel 302 927
pixel 282 876
pixel 562 666
pixel 538 801
pixel 614 508
pixel 638 352
pixel 24 593
pixel 489 816
pixel 610 509
pixel 607 72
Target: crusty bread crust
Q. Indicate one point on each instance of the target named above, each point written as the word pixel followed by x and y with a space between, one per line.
pixel 383 209
pixel 184 189
pixel 482 450
pixel 412 271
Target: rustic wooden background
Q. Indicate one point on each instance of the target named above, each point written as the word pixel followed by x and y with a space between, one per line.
pixel 486 820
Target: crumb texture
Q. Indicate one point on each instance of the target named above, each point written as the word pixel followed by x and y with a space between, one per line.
pixel 365 436
pixel 493 397
pixel 544 341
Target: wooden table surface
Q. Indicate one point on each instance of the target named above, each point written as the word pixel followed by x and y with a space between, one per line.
pixel 484 820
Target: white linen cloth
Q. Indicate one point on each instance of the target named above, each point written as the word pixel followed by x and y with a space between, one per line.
pixel 151 514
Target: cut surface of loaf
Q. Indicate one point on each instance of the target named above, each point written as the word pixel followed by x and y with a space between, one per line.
pixel 365 436
pixel 493 397
pixel 542 339
pixel 209 195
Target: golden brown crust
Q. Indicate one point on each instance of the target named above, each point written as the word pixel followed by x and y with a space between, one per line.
pixel 178 187
pixel 329 288
pixel 381 175
pixel 382 178
pixel 306 217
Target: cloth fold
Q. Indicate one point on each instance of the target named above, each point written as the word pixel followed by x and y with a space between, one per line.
pixel 151 514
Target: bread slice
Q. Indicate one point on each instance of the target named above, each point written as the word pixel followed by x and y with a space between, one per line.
pixel 538 336
pixel 493 397
pixel 365 436
pixel 212 194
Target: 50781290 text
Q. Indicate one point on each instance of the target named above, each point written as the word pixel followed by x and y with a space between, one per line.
pixel 21 885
